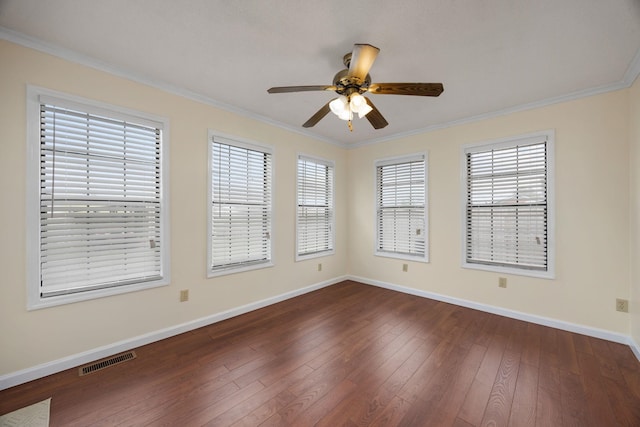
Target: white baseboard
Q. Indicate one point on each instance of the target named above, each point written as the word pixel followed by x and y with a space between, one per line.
pixel 540 320
pixel 634 347
pixel 39 371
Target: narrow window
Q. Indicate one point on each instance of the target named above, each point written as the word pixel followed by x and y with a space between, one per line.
pixel 507 206
pixel 401 223
pixel 240 208
pixel 315 216
pixel 100 201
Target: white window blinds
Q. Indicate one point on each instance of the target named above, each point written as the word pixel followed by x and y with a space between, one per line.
pixel 401 209
pixel 315 215
pixel 506 205
pixel 240 205
pixel 100 201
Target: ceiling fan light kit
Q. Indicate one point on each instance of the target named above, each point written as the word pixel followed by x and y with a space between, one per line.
pixel 352 82
pixel 344 107
pixel 340 107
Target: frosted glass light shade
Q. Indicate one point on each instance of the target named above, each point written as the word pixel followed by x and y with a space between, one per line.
pixel 357 101
pixel 358 104
pixel 346 114
pixel 339 105
pixel 364 110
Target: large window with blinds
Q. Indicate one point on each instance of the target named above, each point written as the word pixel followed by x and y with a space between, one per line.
pixel 315 216
pixel 240 208
pixel 401 209
pixel 97 200
pixel 508 208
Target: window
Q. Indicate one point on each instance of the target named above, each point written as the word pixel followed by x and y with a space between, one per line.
pixel 401 224
pixel 508 210
pixel 97 200
pixel 315 216
pixel 240 208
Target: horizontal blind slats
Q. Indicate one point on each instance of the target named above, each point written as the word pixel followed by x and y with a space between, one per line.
pixel 241 206
pixel 315 206
pixel 99 201
pixel 401 189
pixel 506 213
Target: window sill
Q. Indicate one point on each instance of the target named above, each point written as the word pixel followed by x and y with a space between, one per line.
pixel 416 258
pixel 38 302
pixel 238 269
pixel 314 255
pixel 549 274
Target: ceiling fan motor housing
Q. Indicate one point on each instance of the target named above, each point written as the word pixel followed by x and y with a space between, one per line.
pixel 346 85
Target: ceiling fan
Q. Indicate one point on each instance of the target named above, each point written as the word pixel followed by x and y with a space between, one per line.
pixel 354 81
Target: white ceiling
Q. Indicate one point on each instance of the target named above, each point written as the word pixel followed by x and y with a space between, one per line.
pixel 491 55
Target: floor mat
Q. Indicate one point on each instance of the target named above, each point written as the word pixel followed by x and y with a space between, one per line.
pixel 36 415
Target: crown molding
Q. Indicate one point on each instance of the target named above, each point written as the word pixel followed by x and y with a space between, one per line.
pixel 498 113
pixel 633 70
pixel 91 62
pixel 630 76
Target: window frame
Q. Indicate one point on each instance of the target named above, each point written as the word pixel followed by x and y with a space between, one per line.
pixel 220 137
pixel 424 156
pixel 547 136
pixel 33 235
pixel 330 164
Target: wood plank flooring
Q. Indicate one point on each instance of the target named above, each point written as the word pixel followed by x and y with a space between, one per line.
pixel 354 355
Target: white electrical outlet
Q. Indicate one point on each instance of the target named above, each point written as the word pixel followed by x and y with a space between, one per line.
pixel 622 305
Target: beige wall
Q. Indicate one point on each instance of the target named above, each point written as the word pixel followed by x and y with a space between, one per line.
pixel 634 302
pixel 593 223
pixel 592 214
pixel 31 338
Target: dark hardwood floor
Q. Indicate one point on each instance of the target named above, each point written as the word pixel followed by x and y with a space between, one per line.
pixel 354 355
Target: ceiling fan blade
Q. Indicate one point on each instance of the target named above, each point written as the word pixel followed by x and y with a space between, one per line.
pixel 375 118
pixel 317 116
pixel 285 89
pixel 419 89
pixel 362 59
